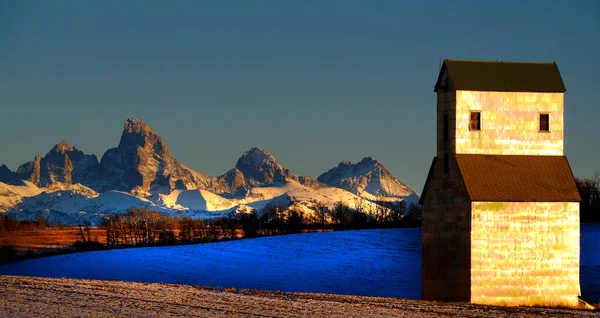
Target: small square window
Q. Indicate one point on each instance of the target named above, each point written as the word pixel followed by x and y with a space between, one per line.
pixel 544 122
pixel 475 122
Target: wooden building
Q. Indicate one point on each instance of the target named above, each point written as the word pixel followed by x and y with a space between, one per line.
pixel 500 204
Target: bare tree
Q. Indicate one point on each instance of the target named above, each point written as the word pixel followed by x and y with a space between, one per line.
pixel 589 191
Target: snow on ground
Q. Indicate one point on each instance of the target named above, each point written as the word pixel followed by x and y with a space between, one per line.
pixel 590 262
pixel 45 297
pixel 367 262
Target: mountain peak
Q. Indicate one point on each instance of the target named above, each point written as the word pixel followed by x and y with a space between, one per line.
pixel 368 161
pixel 260 167
pixel 136 133
pixel 257 155
pixel 368 175
pixel 136 126
pixel 257 151
pixel 63 147
pixel 142 162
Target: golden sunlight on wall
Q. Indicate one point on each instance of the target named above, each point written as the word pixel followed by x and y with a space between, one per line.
pixel 525 253
pixel 509 123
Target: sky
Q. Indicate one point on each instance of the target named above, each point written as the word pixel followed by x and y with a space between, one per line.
pixel 313 82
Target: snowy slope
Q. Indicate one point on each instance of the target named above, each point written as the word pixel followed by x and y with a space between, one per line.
pixel 73 207
pixel 201 200
pixel 11 195
pixel 368 179
pixel 81 204
pixel 73 204
pixel 293 192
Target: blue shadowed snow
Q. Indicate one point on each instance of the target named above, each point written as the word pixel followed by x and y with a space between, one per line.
pixel 369 262
pixel 590 262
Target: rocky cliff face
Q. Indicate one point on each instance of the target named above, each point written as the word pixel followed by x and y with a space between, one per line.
pixel 142 163
pixel 369 176
pixel 9 177
pixel 258 167
pixel 63 164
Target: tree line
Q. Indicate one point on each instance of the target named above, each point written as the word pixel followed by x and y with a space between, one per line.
pixel 9 224
pixel 589 191
pixel 142 226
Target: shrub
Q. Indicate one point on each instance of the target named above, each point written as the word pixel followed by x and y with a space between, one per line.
pixel 85 246
pixel 166 237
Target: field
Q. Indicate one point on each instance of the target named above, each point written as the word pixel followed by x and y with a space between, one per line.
pixel 45 239
pixel 366 262
pixel 47 297
pixel 384 263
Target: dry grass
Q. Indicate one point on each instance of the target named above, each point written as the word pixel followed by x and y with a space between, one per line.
pixel 51 297
pixel 45 239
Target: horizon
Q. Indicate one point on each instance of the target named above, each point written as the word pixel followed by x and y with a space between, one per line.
pixel 313 83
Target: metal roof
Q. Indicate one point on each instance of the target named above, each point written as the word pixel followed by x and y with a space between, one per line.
pixel 518 178
pixel 502 76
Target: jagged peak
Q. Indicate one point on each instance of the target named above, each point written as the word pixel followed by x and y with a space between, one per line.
pixel 345 163
pixel 256 155
pixel 365 162
pixel 9 177
pixel 136 126
pixel 368 161
pixel 62 147
pixel 367 165
pixel 254 151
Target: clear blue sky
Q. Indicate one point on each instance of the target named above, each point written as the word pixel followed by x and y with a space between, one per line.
pixel 313 82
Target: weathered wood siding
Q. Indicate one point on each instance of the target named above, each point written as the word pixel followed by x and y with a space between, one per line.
pixel 509 123
pixel 525 253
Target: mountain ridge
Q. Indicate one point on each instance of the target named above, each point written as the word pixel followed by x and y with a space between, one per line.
pixel 143 167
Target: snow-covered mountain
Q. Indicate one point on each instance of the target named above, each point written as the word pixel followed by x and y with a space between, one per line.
pixel 258 168
pixel 11 195
pixel 69 186
pixel 367 178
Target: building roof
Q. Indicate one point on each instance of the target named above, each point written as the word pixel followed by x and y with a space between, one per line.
pixel 502 76
pixel 514 178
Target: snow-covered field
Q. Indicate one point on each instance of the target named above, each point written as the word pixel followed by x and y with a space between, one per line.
pixel 590 262
pixel 368 262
